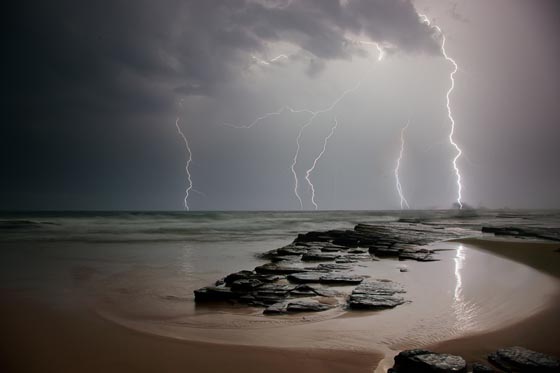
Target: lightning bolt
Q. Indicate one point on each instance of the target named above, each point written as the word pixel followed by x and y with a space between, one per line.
pixel 380 50
pixel 187 166
pixel 300 133
pixel 310 170
pixel 269 62
pixel 398 182
pixel 449 113
pixel 312 115
pixel 268 115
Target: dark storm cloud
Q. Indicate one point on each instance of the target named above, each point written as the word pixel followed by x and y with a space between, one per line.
pixel 76 73
pixel 69 47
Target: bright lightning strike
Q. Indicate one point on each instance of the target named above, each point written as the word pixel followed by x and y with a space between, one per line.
pixel 313 115
pixel 449 113
pixel 380 50
pixel 300 133
pixel 398 182
pixel 268 115
pixel 187 166
pixel 269 62
pixel 310 170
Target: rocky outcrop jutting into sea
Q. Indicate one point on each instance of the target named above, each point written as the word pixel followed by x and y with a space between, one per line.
pixel 300 277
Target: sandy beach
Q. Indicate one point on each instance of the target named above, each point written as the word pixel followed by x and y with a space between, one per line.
pixel 484 293
pixel 537 332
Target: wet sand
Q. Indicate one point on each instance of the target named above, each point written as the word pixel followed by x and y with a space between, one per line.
pixel 40 337
pixel 538 332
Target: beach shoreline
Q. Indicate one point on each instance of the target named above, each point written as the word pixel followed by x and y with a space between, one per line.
pixel 40 337
pixel 537 332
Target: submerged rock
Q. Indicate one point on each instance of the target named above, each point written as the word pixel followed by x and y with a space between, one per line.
pixel 520 359
pixel 377 294
pixel 423 361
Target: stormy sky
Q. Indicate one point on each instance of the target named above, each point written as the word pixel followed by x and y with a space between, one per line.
pixel 92 91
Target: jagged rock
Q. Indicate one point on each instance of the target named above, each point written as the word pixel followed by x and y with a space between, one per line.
pixel 545 233
pixel 246 284
pixel 422 361
pixel 291 250
pixel 377 294
pixel 330 249
pixel 214 293
pixel 318 256
pixel 345 260
pixel 520 359
pixel 307 306
pixel 481 368
pixel 358 251
pixel 329 278
pixel 238 276
pixel 418 255
pixel 387 252
pixel 271 268
pixel 276 308
pixel 341 279
pixel 296 307
pixel 359 257
pixel 332 267
pixel 306 277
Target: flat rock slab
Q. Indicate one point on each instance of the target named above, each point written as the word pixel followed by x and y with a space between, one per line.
pixel 423 361
pixel 319 256
pixel 341 279
pixel 520 359
pixel 272 268
pixel 322 278
pixel 378 294
pixel 306 277
pixel 297 307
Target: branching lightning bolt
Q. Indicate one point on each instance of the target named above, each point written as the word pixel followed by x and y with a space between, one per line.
pixel 313 115
pixel 449 113
pixel 268 115
pixel 271 61
pixel 187 166
pixel 398 182
pixel 310 170
pixel 300 133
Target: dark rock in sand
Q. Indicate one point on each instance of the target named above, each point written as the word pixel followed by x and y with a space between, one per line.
pixel 536 232
pixel 329 278
pixel 418 255
pixel 341 279
pixel 307 306
pixel 246 284
pixel 305 277
pixel 386 252
pixel 214 293
pixel 520 359
pixel 271 268
pixel 296 307
pixel 327 267
pixel 318 256
pixel 241 275
pixel 422 361
pixel 481 368
pixel 378 294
